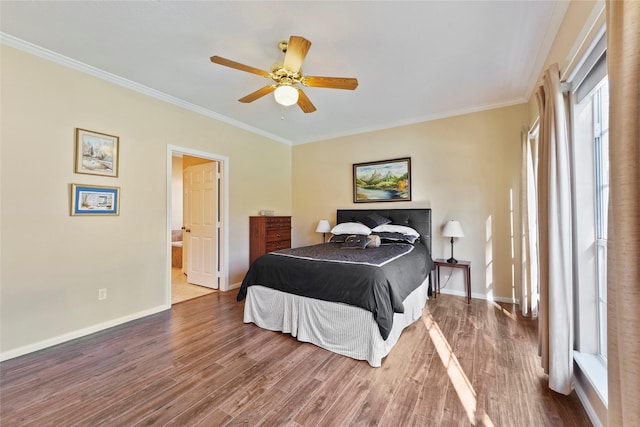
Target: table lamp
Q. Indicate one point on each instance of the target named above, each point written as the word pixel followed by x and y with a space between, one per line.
pixel 323 227
pixel 452 229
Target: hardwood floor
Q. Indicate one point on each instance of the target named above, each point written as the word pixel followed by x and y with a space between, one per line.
pixel 198 364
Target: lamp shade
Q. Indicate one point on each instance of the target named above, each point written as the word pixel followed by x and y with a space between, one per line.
pixel 452 229
pixel 286 95
pixel 323 226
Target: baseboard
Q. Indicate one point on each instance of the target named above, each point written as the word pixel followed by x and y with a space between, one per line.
pixel 234 286
pixel 503 299
pixel 21 351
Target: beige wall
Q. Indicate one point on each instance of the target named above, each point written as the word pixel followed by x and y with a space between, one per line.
pixel 52 264
pixel 464 167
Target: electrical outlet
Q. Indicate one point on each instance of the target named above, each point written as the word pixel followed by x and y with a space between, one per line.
pixel 102 294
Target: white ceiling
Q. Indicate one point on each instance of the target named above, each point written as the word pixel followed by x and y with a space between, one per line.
pixel 415 61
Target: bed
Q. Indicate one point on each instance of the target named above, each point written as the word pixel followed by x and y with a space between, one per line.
pixel 353 295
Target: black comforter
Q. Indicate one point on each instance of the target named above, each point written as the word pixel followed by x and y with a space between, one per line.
pixel 375 279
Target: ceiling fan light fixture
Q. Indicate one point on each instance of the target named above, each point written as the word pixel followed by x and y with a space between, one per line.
pixel 287 76
pixel 286 95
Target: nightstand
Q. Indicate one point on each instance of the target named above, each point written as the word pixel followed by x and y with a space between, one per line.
pixel 466 269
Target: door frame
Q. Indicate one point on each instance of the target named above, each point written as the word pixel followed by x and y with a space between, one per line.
pixel 223 247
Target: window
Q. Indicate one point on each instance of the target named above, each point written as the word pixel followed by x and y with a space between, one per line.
pixel 601 190
pixel 590 152
pixel 590 156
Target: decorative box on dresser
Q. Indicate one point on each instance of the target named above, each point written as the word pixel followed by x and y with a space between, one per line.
pixel 268 234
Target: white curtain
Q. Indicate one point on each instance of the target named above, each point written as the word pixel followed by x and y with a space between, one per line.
pixel 528 224
pixel 555 322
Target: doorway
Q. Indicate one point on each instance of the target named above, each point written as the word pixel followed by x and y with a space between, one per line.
pixel 197 215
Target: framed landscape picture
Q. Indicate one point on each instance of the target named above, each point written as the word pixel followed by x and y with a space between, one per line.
pixel 94 200
pixel 96 153
pixel 382 181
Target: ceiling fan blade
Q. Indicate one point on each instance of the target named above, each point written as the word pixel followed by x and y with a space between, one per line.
pixel 296 51
pixel 304 103
pixel 258 94
pixel 238 66
pixel 330 82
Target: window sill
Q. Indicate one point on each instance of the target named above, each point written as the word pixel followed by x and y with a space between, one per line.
pixel 595 370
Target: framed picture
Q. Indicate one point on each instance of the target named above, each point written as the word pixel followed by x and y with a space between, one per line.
pixel 382 181
pixel 96 153
pixel 94 200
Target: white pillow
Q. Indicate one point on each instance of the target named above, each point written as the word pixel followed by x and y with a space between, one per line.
pixel 351 228
pixel 392 228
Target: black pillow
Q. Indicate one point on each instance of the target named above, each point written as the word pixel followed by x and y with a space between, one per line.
pixel 356 241
pixel 339 238
pixel 386 236
pixel 373 220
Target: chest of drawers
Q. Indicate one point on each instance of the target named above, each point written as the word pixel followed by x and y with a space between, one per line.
pixel 267 234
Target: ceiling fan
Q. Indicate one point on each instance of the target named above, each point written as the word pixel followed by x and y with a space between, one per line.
pixel 287 76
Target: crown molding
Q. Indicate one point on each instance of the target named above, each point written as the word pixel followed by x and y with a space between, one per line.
pixel 52 56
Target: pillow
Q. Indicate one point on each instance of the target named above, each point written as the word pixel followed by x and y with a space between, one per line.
pixel 374 220
pixel 356 241
pixel 339 238
pixel 351 228
pixel 386 236
pixel 391 228
pixel 374 241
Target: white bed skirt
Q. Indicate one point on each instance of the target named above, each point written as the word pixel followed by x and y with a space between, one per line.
pixel 340 328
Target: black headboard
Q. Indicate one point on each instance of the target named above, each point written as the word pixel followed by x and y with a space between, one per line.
pixel 418 219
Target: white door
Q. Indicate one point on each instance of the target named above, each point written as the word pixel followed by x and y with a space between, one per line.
pixel 201 224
